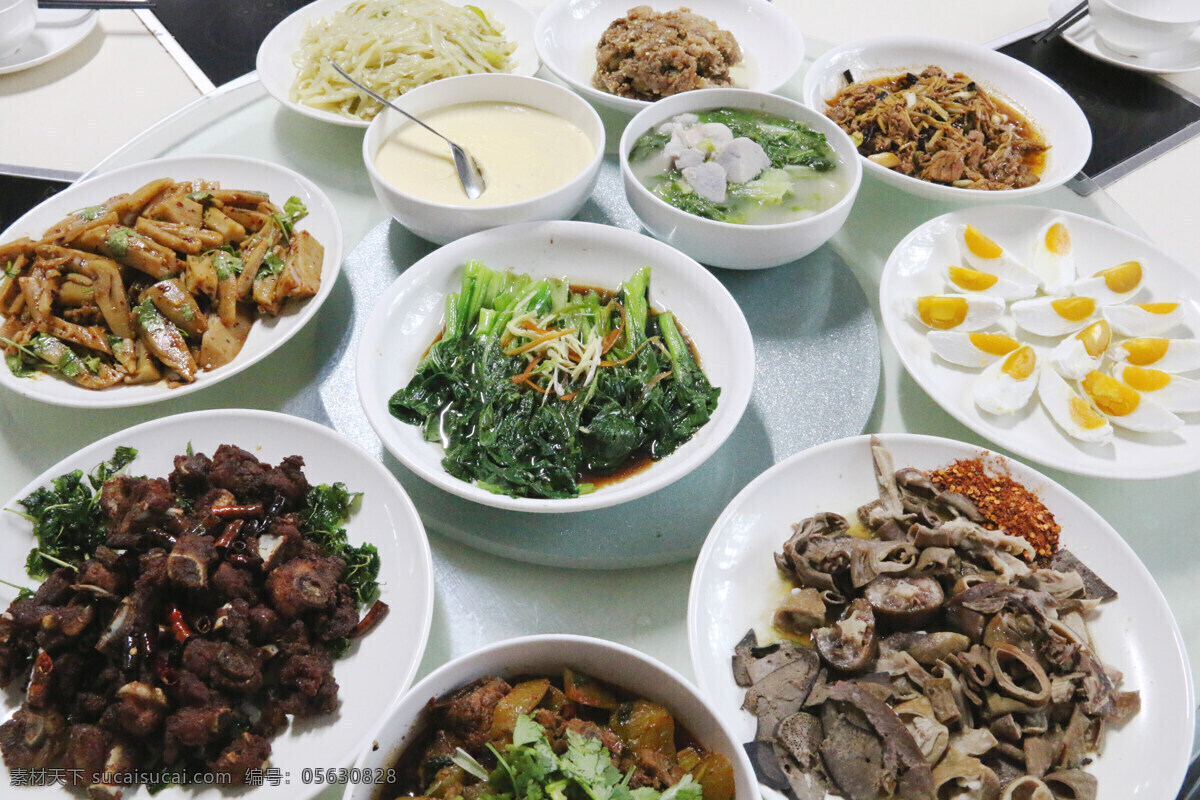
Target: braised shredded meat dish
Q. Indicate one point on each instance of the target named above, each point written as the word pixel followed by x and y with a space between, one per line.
pixel 940 128
pixel 187 639
pixel 647 55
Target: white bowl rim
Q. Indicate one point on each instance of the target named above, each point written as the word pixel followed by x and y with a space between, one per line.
pixel 735 397
pixel 938 45
pixel 419 691
pixel 549 17
pixel 491 77
pixel 745 95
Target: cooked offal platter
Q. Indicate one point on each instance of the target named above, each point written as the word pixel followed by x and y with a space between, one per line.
pixel 926 651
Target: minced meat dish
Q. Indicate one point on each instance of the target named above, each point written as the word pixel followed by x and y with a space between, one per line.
pixel 647 55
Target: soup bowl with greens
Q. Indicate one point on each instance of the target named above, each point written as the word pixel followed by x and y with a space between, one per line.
pixel 738 179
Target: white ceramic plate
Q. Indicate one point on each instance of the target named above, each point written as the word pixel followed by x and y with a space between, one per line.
pixel 57 31
pixel 913 269
pixel 233 172
pixel 379 668
pixel 568 31
pixel 1051 110
pixel 736 587
pixel 277 71
pixel 1082 35
pixel 408 317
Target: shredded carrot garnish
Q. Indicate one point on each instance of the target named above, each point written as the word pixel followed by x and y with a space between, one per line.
pixel 529 382
pixel 529 368
pixel 539 341
pixel 659 377
pixel 614 334
pixel 619 362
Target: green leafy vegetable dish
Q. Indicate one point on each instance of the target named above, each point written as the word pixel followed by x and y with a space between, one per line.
pixel 537 388
pixel 739 166
pixel 568 738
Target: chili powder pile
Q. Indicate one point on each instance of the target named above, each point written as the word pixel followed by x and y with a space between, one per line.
pixel 1004 503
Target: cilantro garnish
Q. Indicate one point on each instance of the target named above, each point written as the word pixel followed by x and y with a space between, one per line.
pixel 529 769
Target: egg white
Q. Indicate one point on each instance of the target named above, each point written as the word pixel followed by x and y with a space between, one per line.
pixel 1181 355
pixel 979 251
pixel 1176 394
pixel 1145 416
pixel 1038 316
pixel 959 347
pixel 1063 404
pixel 1071 358
pixel 1099 285
pixel 997 392
pixel 1014 285
pixel 982 311
pixel 1133 320
pixel 1055 266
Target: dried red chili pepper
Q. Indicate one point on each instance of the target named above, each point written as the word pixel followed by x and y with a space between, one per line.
pixel 1005 503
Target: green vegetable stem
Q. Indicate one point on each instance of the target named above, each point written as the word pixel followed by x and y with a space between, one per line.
pixel 536 388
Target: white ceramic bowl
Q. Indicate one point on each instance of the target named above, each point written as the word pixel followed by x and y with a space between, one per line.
pixel 1051 110
pixel 1142 27
pixel 726 244
pixel 547 655
pixel 18 18
pixel 408 317
pixel 567 32
pixel 277 71
pixel 441 222
pixel 233 172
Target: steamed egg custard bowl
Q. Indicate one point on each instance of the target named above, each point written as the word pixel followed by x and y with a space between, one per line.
pixel 523 152
pixel 1060 337
pixel 538 146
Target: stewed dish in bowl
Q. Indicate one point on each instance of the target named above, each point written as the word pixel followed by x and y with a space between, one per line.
pixel 738 179
pixel 569 715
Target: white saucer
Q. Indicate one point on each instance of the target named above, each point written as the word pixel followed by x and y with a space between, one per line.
pixel 57 32
pixel 1082 35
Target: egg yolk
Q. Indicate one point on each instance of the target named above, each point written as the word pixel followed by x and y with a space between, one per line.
pixel 972 279
pixel 1145 380
pixel 995 344
pixel 1058 239
pixel 1084 415
pixel 1019 366
pixel 981 245
pixel 1095 337
pixel 1110 395
pixel 1158 308
pixel 1145 351
pixel 1122 278
pixel 1074 308
pixel 942 312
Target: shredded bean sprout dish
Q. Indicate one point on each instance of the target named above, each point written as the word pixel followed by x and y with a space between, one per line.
pixel 392 46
